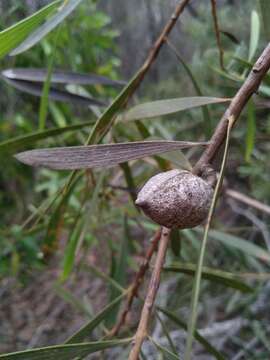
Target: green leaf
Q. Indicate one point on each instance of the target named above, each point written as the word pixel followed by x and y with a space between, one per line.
pixel 43 107
pixel 265 11
pixel 47 27
pixel 219 276
pixel 70 251
pixel 106 120
pixel 14 35
pixel 174 318
pixel 25 140
pixel 64 352
pixel 87 329
pixel 205 111
pixel 254 34
pixel 238 243
pixel 165 107
pixel 167 354
pixel 250 130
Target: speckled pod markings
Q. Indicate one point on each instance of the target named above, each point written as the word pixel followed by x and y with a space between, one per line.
pixel 176 199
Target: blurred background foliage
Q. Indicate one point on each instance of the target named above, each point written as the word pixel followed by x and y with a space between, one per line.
pixel 96 224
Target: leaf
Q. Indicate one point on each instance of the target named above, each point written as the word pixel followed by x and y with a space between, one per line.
pixel 21 141
pixel 58 77
pixel 84 157
pixel 265 11
pixel 48 26
pixel 167 354
pixel 54 94
pixel 12 36
pixel 87 329
pixel 221 277
pixel 198 274
pixel 165 107
pixel 250 130
pixel 43 107
pixel 174 318
pixel 70 251
pixel 205 111
pixel 64 352
pixel 230 36
pixel 254 34
pixel 240 244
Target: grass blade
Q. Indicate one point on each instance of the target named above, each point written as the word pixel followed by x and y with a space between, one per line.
pixel 47 27
pixel 165 107
pixel 14 35
pixel 219 276
pixel 84 157
pixel 167 354
pixel 174 318
pixel 239 244
pixel 59 77
pixel 87 329
pixel 251 130
pixel 254 34
pixel 198 274
pixel 64 352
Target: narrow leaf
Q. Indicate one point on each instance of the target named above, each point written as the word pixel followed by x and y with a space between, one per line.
pixel 87 329
pixel 24 140
pixel 48 26
pixel 12 36
pixel 240 244
pixel 64 352
pixel 198 274
pixel 221 277
pixel 54 94
pixel 165 107
pixel 265 11
pixel 84 157
pixel 174 318
pixel 58 77
pixel 254 34
pixel 167 354
pixel 250 130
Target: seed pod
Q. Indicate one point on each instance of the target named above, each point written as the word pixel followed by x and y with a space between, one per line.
pixel 176 199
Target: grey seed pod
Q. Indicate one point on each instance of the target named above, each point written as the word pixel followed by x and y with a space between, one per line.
pixel 176 199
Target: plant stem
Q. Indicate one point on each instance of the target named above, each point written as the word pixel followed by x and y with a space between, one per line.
pixel 235 108
pixel 150 296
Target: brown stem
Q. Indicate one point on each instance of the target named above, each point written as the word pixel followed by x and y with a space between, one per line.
pixel 217 32
pixel 136 284
pixel 237 104
pixel 150 296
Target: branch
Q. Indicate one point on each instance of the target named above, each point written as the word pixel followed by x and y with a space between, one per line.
pixel 150 296
pixel 217 33
pixel 249 87
pixel 136 283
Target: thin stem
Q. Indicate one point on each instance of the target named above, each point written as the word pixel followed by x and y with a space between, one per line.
pixel 235 108
pixel 198 274
pixel 217 32
pixel 141 333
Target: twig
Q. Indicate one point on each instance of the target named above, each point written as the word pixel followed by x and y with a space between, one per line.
pixel 248 201
pixel 136 284
pixel 217 32
pixel 160 41
pixel 150 296
pixel 249 87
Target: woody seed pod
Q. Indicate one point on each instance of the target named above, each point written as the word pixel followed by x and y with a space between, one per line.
pixel 176 199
